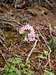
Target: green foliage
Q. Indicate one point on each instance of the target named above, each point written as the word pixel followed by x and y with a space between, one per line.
pixel 52 43
pixel 44 54
pixel 16 67
pixel 11 70
pixel 15 60
pixel 46 72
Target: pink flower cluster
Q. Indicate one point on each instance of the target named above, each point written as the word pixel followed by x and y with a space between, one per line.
pixel 31 36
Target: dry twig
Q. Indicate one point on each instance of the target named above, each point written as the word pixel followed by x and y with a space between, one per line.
pixel 49 51
pixel 3 57
pixel 49 3
pixel 27 59
pixel 50 28
pixel 2 39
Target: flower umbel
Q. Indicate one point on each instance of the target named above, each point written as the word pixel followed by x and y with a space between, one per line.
pixel 31 36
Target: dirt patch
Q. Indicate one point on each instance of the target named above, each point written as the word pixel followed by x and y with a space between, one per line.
pixel 40 18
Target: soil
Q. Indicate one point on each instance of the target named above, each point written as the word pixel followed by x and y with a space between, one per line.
pixel 37 16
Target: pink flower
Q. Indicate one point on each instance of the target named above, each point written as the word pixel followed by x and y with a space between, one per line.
pixel 31 36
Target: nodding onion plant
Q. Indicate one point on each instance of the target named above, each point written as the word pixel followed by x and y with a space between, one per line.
pixel 29 31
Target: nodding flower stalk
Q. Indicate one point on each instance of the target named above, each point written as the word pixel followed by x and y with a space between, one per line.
pixel 31 36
